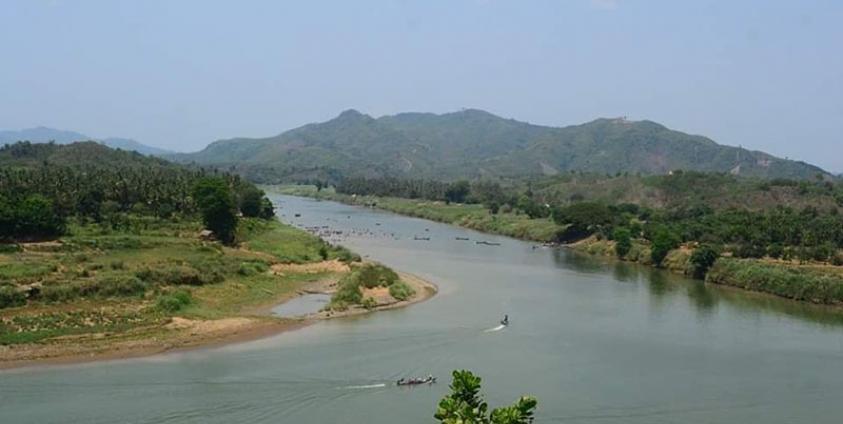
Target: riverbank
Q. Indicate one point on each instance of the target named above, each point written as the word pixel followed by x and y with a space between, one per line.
pixel 806 282
pixel 180 306
pixel 472 216
pixel 183 334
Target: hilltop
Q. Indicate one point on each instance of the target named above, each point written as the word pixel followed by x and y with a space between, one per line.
pixel 86 154
pixel 473 144
pixel 47 135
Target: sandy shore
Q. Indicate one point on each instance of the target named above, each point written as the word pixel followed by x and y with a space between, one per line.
pixel 183 334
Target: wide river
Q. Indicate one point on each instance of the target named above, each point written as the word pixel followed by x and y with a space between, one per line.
pixel 596 341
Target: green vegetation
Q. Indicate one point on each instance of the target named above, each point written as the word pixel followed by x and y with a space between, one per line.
pixel 132 280
pixel 623 241
pixel 465 405
pixel 44 185
pixel 703 259
pixel 290 245
pixel 508 222
pixel 817 284
pixel 98 241
pixel 683 222
pixel 368 276
pixel 473 144
pixel 216 206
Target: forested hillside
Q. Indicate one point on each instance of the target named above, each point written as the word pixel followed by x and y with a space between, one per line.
pixel 476 144
pixel 42 186
pixel 51 135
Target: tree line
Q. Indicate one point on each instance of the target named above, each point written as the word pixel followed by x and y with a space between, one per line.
pixel 36 202
pixel 802 233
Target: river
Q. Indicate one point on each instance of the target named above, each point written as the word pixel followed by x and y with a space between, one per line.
pixel 596 341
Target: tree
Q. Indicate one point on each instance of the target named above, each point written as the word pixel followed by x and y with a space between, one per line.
pixel 664 241
pixel 457 191
pixel 465 405
pixel 623 241
pixel 703 258
pixel 251 202
pixel 34 217
pixel 267 209
pixel 215 203
pixel 582 219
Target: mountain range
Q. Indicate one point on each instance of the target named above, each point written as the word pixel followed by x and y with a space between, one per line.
pixel 45 135
pixel 475 144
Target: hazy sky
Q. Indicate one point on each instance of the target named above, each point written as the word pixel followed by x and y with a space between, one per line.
pixel 179 74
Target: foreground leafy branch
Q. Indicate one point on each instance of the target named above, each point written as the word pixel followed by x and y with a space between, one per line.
pixel 465 405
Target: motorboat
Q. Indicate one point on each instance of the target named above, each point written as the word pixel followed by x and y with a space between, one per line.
pixel 416 381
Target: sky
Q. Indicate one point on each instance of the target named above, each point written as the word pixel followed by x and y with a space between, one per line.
pixel 765 75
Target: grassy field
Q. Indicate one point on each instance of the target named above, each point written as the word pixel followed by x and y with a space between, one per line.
pixel 476 217
pixel 99 281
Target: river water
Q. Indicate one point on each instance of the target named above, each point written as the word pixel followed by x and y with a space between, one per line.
pixel 595 340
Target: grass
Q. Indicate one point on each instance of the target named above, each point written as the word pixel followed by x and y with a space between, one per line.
pixel 288 244
pixel 806 283
pixel 96 280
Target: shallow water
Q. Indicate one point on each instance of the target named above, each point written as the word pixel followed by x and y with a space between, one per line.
pixel 302 305
pixel 594 340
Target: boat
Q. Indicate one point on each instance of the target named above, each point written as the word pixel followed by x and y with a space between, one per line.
pixel 462 238
pixel 488 243
pixel 416 381
pixel 505 320
pixel 421 238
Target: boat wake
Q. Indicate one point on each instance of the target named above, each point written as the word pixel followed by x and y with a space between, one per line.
pixel 365 386
pixel 492 330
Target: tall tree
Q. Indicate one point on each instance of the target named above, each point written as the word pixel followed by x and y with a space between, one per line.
pixel 215 203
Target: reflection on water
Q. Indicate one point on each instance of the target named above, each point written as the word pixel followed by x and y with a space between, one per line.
pixel 702 296
pixel 302 305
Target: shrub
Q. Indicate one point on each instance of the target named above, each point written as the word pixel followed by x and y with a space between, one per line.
pixel 113 287
pixel 252 268
pixel 703 258
pixel 10 248
pixel 401 291
pixel 11 297
pixel 748 250
pixel 173 302
pixel 181 275
pixel 348 292
pixel 345 255
pixel 775 251
pixel 373 275
pixel 664 241
pixel 106 287
pixel 623 241
pixel 59 292
pixel 369 303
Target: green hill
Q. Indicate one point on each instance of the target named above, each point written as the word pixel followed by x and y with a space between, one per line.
pixel 79 154
pixel 47 135
pixel 473 143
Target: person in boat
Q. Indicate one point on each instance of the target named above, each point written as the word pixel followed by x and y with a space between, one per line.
pixel 505 320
